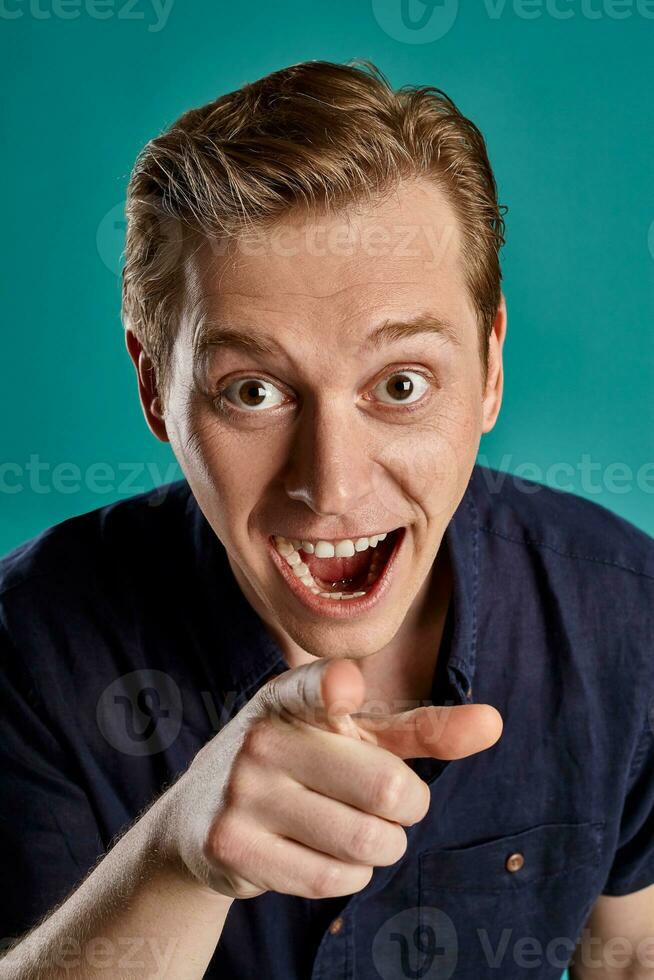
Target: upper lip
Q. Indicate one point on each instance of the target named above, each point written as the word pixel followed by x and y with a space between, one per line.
pixel 335 537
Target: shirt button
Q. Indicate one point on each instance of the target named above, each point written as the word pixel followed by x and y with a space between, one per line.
pixel 514 861
pixel 336 926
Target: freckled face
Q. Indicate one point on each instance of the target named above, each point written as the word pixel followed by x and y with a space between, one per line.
pixel 319 432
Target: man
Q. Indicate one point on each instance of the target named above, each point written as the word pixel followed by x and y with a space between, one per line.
pixel 313 305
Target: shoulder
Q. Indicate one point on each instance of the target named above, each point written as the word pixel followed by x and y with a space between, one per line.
pixel 579 533
pixel 103 543
pixel 574 581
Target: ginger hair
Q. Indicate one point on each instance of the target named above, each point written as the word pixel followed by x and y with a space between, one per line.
pixel 317 135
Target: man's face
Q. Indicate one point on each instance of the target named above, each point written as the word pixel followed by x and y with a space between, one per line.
pixel 322 433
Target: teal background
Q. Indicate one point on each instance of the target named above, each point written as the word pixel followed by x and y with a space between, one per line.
pixel 565 105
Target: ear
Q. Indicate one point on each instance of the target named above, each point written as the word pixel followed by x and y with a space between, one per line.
pixel 494 386
pixel 151 401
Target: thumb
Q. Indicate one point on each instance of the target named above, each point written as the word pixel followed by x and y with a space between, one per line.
pixel 434 731
pixel 327 694
pixel 323 693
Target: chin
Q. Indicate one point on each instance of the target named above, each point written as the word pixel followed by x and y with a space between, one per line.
pixel 353 638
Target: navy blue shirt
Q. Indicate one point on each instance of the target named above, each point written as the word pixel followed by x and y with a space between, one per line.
pixel 126 644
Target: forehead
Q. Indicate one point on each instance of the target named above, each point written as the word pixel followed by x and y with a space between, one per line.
pixel 398 257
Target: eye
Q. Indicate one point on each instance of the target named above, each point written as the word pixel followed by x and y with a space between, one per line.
pixel 402 387
pixel 252 394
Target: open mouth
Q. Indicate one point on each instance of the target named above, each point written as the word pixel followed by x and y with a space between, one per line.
pixel 328 576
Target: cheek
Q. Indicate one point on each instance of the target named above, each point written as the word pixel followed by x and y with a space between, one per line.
pixel 430 464
pixel 227 469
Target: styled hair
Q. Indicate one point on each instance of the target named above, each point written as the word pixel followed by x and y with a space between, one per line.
pixel 318 135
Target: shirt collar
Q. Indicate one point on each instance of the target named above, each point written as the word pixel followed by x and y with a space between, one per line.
pixel 249 654
pixel 462 540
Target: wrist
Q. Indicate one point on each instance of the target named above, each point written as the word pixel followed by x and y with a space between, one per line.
pixel 171 846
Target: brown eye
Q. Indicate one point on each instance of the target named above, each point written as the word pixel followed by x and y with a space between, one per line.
pixel 404 386
pixel 253 394
pixel 399 386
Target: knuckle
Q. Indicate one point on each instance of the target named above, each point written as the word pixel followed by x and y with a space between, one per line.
pixel 387 791
pixel 366 839
pixel 224 843
pixel 259 741
pixel 327 881
pixel 242 784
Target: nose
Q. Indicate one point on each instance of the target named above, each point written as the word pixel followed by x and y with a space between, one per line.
pixel 330 465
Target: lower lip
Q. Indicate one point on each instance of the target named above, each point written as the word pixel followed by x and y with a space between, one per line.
pixel 340 608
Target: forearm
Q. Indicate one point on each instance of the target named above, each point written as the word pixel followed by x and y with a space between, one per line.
pixel 138 914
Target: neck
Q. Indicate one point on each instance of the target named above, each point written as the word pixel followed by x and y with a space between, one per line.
pixel 401 673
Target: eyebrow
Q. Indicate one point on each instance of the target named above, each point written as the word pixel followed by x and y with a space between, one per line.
pixel 423 323
pixel 211 335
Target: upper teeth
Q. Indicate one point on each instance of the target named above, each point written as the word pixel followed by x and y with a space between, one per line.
pixel 343 548
pixel 290 548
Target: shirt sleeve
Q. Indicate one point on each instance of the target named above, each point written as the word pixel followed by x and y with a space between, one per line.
pixel 633 864
pixel 49 838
